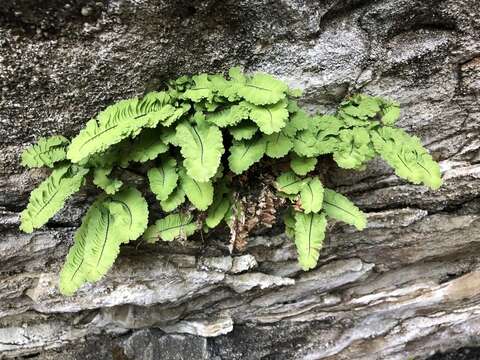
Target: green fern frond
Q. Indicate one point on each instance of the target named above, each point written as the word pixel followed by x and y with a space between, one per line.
pixel 243 131
pixel 230 116
pixel 174 200
pixel 338 207
pixel 101 179
pixel 163 178
pixel 202 148
pixel 171 227
pixel 302 165
pixel 50 196
pixel 289 183
pixel 115 123
pixel 271 118
pixel 147 146
pixel 200 194
pixel 46 152
pixel 309 236
pixel 353 148
pixel 244 154
pixel 278 145
pixel 407 156
pixel 74 271
pixel 263 89
pixel 311 196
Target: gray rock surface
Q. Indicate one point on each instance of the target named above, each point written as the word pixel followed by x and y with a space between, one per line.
pixel 406 287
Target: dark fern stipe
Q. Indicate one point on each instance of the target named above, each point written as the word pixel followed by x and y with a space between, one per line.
pixel 203 133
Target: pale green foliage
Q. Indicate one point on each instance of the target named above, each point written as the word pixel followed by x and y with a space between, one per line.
pixel 199 144
pixel 311 196
pixel 199 193
pixel 163 178
pixel 309 235
pixel 278 145
pixel 340 208
pixel 263 89
pixel 270 119
pixel 115 123
pixel 302 165
pixel 50 196
pixel 147 146
pixel 243 131
pixel 170 228
pixel 101 179
pixel 202 147
pixel 46 152
pixel 407 156
pixel 244 154
pixel 111 221
pixel 174 200
pixel 289 183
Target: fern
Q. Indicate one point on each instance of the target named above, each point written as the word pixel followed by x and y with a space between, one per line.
pixel 110 222
pixel 171 227
pixel 309 235
pixel 51 195
pixel 244 154
pixel 202 148
pixel 163 179
pixel 46 152
pixel 178 139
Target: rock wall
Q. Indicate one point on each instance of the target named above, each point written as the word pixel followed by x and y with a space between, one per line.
pixel 406 287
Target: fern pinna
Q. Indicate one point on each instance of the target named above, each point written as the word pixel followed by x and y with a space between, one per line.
pixel 196 139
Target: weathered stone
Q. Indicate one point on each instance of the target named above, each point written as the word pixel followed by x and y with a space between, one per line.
pixel 405 287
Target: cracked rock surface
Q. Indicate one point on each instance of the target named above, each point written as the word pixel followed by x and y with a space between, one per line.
pixel 406 287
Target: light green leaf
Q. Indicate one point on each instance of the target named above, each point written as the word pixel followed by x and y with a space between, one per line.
pixel 177 115
pixel 309 236
pixel 134 210
pixel 263 89
pixel 203 89
pixel 171 227
pixel 74 272
pixel 289 183
pixel 104 236
pixel 340 208
pixel 407 156
pixel 168 135
pixel 216 212
pixel 243 131
pixel 391 113
pixel 230 116
pixel 50 196
pixel 278 145
pixel 174 200
pixel 46 152
pixel 101 179
pixel 302 165
pixel 311 196
pixel 115 123
pixel 200 194
pixel 320 138
pixel 163 179
pixel 270 119
pixel 244 154
pixel 353 148
pixel 147 146
pixel 202 148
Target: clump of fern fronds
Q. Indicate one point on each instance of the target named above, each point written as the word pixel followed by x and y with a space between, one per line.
pixel 197 138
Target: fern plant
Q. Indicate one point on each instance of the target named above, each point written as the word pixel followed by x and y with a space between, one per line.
pixel 198 141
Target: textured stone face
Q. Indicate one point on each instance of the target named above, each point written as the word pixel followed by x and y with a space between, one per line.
pixel 405 287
